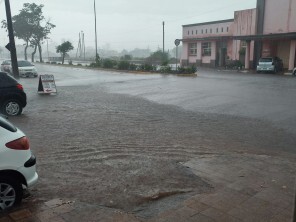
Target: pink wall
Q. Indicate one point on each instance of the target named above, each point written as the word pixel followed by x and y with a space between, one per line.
pixel 244 24
pixel 196 31
pixel 276 22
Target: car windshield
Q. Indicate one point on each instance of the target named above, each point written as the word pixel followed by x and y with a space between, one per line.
pixel 6 63
pixel 24 63
pixel 265 60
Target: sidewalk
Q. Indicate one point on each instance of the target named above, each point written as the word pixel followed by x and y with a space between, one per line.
pixel 247 188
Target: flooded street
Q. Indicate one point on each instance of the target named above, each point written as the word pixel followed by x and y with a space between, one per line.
pixel 122 140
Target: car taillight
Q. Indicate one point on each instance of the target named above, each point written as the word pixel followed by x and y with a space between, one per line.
pixel 19 86
pixel 19 144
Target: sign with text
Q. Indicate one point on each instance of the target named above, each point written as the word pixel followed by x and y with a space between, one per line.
pixel 47 84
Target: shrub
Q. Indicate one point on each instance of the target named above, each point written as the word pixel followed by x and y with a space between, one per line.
pixel 188 70
pixel 133 66
pixel 165 69
pixel 95 64
pixel 123 65
pixel 109 64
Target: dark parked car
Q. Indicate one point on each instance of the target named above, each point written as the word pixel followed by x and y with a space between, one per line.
pixel 270 64
pixel 12 96
pixel 294 71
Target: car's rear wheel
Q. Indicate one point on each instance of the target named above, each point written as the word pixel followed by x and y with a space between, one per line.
pixel 12 108
pixel 11 193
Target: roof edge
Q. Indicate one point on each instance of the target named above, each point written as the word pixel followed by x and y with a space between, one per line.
pixel 209 23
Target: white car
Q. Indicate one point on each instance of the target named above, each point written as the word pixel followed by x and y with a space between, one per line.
pixel 294 71
pixel 26 69
pixel 17 165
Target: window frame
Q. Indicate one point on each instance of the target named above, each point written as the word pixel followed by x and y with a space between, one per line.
pixel 192 49
pixel 206 48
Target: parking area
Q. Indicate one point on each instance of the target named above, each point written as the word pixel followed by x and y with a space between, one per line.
pixel 122 147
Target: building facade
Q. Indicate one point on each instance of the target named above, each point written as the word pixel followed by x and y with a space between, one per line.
pixel 267 30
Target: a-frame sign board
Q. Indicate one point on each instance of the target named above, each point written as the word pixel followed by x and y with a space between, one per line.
pixel 46 84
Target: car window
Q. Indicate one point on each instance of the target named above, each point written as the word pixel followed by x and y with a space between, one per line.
pixel 265 60
pixel 6 63
pixel 24 63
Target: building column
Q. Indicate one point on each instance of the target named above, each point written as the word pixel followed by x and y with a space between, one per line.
pixel 247 56
pixel 292 55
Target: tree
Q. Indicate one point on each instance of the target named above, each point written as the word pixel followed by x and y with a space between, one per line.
pixel 64 48
pixel 31 26
pixel 158 57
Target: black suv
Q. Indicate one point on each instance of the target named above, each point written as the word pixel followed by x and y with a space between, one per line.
pixel 12 96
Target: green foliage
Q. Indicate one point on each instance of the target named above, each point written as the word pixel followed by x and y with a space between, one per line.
pixel 123 65
pixel 165 69
pixel 187 70
pixel 147 67
pixel 158 57
pixel 126 57
pixel 234 64
pixel 95 65
pixel 242 51
pixel 133 66
pixel 31 26
pixel 64 48
pixel 109 63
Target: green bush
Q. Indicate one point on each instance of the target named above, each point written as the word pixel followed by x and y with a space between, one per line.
pixel 133 67
pixel 109 64
pixel 95 64
pixel 188 70
pixel 234 64
pixel 147 67
pixel 165 69
pixel 123 65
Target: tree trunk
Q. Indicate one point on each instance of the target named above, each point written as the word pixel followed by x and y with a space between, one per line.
pixel 26 47
pixel 40 52
pixel 33 53
pixel 63 58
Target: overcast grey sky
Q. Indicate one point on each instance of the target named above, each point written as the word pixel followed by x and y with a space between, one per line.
pixel 127 24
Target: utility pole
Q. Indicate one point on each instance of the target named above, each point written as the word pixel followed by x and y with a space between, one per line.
pixel 11 44
pixel 163 37
pixel 79 47
pixel 96 37
pixel 47 50
pixel 83 45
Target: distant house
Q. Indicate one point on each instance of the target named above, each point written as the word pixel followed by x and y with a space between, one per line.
pixel 267 30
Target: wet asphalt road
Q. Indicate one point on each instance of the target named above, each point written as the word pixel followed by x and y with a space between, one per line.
pixel 120 140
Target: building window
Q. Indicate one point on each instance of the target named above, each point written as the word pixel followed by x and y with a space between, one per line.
pixel 206 48
pixel 206 31
pixel 222 29
pixel 227 29
pixel 217 30
pixel 188 32
pixel 192 49
pixel 202 31
pixel 196 32
pixel 210 30
pixel 192 32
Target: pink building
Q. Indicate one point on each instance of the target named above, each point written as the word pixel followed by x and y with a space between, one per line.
pixel 267 30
